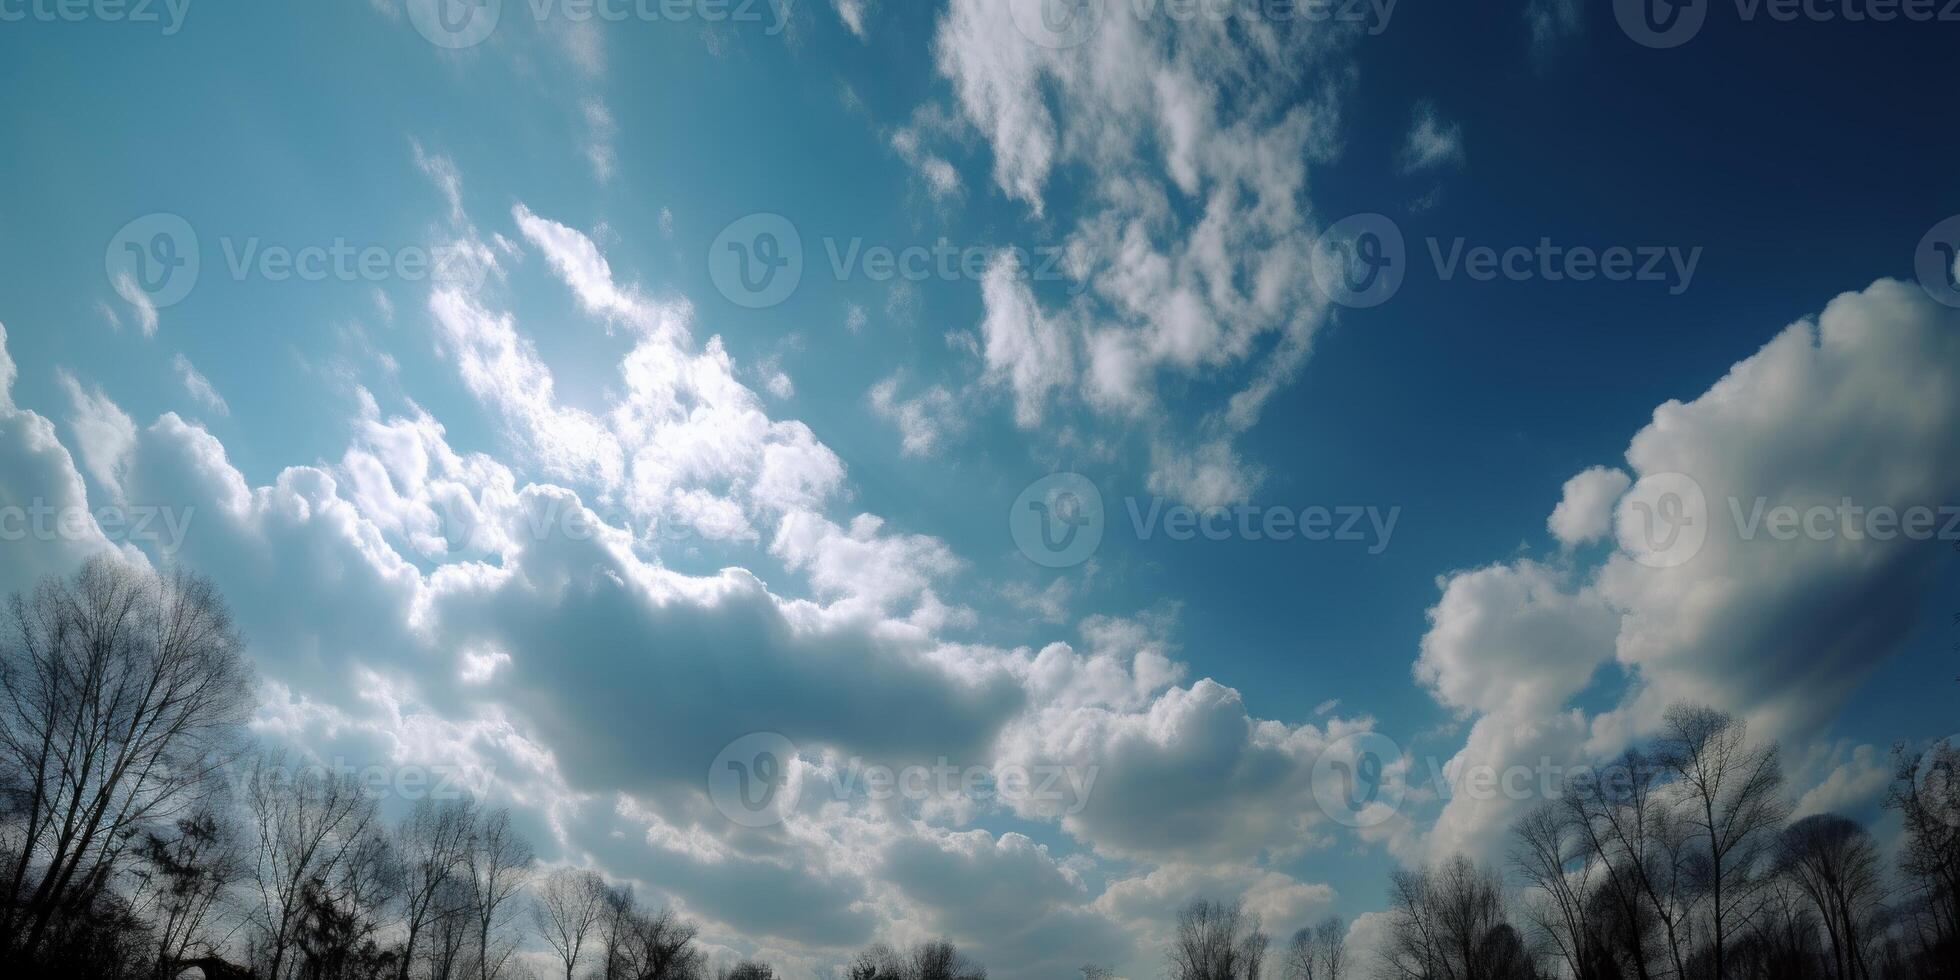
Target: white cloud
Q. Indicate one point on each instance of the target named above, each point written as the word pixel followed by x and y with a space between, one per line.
pixel 923 420
pixel 198 386
pixel 852 13
pixel 104 434
pixel 1779 631
pixel 1026 351
pixel 1431 142
pixel 1585 512
pixel 1551 23
pixel 139 301
pixel 1191 253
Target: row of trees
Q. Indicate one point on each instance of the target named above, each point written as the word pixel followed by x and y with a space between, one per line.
pixel 127 852
pixel 1679 861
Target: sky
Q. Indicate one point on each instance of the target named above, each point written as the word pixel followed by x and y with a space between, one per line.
pixel 1176 443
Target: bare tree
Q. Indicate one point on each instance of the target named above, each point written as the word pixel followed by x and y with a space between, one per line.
pixel 569 909
pixel 1318 952
pixel 1834 862
pixel 1217 941
pixel 497 864
pixel 939 960
pixel 1631 832
pixel 1926 794
pixel 932 960
pixel 1733 804
pixel 1450 923
pixel 121 694
pixel 1552 856
pixel 181 880
pixel 748 970
pixel 315 831
pixel 434 840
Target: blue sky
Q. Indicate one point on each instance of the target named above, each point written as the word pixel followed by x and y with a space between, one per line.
pixel 806 505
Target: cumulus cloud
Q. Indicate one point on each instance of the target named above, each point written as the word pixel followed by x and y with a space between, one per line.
pixel 1585 513
pixel 1718 604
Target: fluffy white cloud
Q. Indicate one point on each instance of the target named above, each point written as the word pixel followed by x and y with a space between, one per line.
pixel 1585 513
pixel 1707 597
